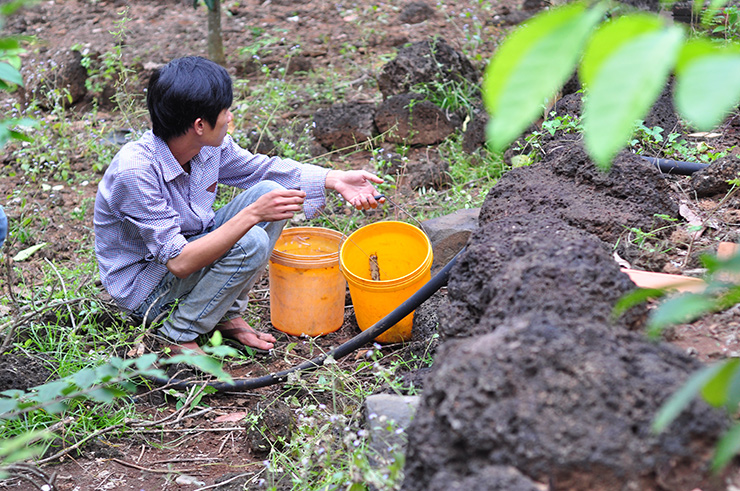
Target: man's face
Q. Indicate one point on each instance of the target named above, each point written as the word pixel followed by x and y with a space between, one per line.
pixel 214 136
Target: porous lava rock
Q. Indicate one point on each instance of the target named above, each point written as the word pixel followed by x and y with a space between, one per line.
pixel 499 477
pixel 569 186
pixel 422 167
pixel 425 61
pixel 534 266
pixel 565 402
pixel 344 125
pixel 273 428
pixel 410 119
pixel 415 13
pixel 712 180
pixel 55 78
pixel 474 135
pixel 663 113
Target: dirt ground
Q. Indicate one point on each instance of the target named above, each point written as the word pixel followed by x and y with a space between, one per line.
pixel 213 446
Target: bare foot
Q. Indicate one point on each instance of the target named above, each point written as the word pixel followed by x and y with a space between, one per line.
pixel 189 347
pixel 238 329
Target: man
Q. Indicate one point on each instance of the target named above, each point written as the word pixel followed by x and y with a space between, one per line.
pixel 161 249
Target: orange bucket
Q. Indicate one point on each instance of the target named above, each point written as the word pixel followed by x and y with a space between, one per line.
pixel 403 254
pixel 307 288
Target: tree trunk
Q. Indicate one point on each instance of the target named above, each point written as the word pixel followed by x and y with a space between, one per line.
pixel 215 40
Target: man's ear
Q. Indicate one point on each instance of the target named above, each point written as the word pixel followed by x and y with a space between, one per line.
pixel 199 126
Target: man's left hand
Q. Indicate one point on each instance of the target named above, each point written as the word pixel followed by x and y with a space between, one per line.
pixel 356 187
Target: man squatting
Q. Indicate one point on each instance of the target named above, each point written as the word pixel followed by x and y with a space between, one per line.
pixel 159 244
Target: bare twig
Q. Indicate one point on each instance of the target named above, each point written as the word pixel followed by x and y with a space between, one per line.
pixel 154 471
pixel 222 483
pixel 79 444
pixel 19 471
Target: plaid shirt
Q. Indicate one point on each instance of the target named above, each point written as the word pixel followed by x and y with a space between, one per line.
pixel 147 206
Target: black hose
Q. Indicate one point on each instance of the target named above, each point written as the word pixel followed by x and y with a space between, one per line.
pixel 675 166
pixel 422 294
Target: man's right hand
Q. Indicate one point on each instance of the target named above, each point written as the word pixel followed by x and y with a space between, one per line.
pixel 280 204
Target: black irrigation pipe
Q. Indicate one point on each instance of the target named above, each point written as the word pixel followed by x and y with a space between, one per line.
pixel 430 288
pixel 675 166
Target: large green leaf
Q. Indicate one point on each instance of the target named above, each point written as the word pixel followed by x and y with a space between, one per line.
pixel 707 83
pixel 10 74
pixel 616 101
pixel 716 389
pixel 681 308
pixel 682 397
pixel 727 448
pixel 610 37
pixel 531 65
pixel 204 362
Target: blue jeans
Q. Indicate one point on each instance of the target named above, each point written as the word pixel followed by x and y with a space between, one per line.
pixel 219 291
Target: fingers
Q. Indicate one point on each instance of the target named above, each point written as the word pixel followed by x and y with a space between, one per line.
pixel 366 202
pixel 280 204
pixel 371 177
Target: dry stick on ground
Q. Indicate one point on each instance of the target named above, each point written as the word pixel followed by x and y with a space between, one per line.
pixel 18 471
pixel 227 481
pixel 156 471
pixel 79 444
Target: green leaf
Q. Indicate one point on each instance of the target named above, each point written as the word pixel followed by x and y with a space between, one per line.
pixel 698 95
pixel 51 390
pixel 10 74
pixel 7 407
pixel 727 448
pixel 204 362
pixel 614 101
pixel 217 338
pixel 8 44
pixel 636 297
pixel 26 253
pixel 85 378
pixel 222 351
pixel 7 8
pixel 105 394
pixel 610 37
pixel 19 448
pixel 678 309
pixel 715 391
pixel 531 65
pixel 670 410
pixel 145 361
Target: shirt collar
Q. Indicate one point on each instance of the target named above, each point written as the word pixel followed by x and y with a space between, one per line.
pixel 171 168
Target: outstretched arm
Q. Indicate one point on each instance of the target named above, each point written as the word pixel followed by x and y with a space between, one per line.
pixel 355 186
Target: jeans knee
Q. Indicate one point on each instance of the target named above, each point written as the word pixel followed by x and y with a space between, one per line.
pixel 256 245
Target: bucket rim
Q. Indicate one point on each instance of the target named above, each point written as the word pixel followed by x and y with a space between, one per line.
pixel 326 232
pixel 414 275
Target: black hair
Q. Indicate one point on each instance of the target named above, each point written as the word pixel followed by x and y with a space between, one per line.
pixel 184 90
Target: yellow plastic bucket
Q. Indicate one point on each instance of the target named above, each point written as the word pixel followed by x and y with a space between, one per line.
pixel 307 289
pixel 404 259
